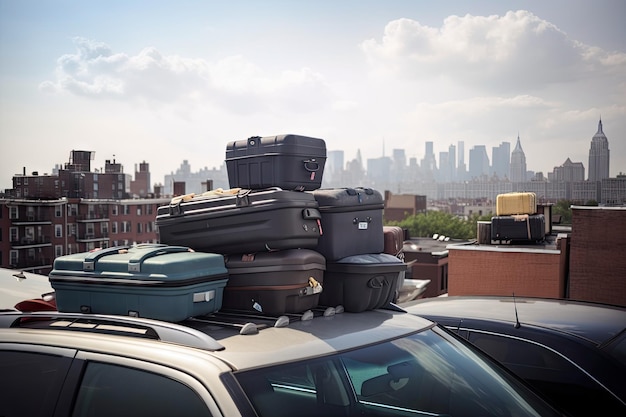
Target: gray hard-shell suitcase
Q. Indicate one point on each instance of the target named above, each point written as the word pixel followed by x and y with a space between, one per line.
pixel 291 162
pixel 162 282
pixel 352 222
pixel 274 283
pixel 362 282
pixel 249 221
pixel 518 228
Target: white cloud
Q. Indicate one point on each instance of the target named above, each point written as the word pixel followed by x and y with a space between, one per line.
pixel 232 83
pixel 513 52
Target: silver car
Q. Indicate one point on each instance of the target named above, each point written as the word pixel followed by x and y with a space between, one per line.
pixel 322 363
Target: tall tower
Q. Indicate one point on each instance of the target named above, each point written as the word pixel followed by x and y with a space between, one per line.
pixel 599 156
pixel 501 160
pixel 518 163
pixel 478 162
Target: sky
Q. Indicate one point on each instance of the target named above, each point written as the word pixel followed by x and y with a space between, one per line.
pixel 163 81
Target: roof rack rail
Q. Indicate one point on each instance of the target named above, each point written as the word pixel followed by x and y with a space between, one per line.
pixel 249 322
pixel 121 325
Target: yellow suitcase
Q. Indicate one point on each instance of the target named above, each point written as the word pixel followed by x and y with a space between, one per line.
pixel 516 203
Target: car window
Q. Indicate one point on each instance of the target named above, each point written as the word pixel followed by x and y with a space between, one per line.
pixel 429 373
pixel 32 381
pixel 556 377
pixel 110 390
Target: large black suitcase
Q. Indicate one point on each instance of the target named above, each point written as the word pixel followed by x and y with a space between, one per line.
pixel 274 283
pixel 518 228
pixel 161 282
pixel 249 221
pixel 352 222
pixel 362 282
pixel 291 162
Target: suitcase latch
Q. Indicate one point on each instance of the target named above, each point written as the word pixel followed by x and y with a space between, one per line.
pixel 242 199
pixel 362 224
pixel 203 297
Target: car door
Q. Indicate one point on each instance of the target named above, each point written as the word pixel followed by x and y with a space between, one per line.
pixel 100 385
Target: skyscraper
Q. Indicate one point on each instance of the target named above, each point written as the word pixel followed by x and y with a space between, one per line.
pixel 599 156
pixel 429 163
pixel 452 162
pixel 518 163
pixel 501 160
pixel 478 162
pixel 461 168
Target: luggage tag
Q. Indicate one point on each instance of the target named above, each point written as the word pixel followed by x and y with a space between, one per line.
pixel 314 288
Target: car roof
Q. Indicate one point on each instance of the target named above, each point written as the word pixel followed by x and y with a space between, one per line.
pixel 597 323
pixel 317 337
pixel 300 339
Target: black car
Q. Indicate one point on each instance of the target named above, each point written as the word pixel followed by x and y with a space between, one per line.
pixel 574 353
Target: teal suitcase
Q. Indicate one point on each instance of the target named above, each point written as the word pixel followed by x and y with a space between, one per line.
pixel 170 283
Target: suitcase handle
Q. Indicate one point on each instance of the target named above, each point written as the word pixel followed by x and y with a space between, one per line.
pixel 311 214
pixel 89 263
pixel 134 263
pixel 311 165
pixel 377 282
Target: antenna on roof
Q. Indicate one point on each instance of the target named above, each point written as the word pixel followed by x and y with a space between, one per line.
pixel 517 324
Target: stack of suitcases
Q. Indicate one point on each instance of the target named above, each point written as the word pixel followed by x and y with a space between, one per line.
pixel 517 219
pixel 274 243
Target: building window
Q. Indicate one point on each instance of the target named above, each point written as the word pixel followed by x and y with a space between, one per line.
pixel 149 208
pixel 126 227
pixel 138 210
pixel 13 213
pixel 114 227
pixel 58 211
pixel 58 230
pixel 58 251
pixel 25 180
pixel 95 178
pixel 95 187
pixel 126 209
pixel 114 210
pixel 139 228
pixel 14 258
pixel 89 234
pixel 13 234
pixel 71 229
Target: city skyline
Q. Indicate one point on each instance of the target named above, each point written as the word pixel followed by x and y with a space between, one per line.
pixel 450 167
pixel 165 82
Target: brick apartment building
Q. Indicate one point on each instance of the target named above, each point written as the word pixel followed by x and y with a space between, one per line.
pixel 34 232
pixel 75 210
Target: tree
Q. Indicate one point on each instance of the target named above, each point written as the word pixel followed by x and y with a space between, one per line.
pixel 563 208
pixel 441 223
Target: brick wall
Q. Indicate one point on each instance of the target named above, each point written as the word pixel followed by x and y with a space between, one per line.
pixel 489 271
pixel 597 255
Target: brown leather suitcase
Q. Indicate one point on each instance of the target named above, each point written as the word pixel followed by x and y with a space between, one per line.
pixel 394 241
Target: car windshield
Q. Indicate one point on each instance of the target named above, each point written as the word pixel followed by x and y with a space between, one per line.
pixel 429 373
